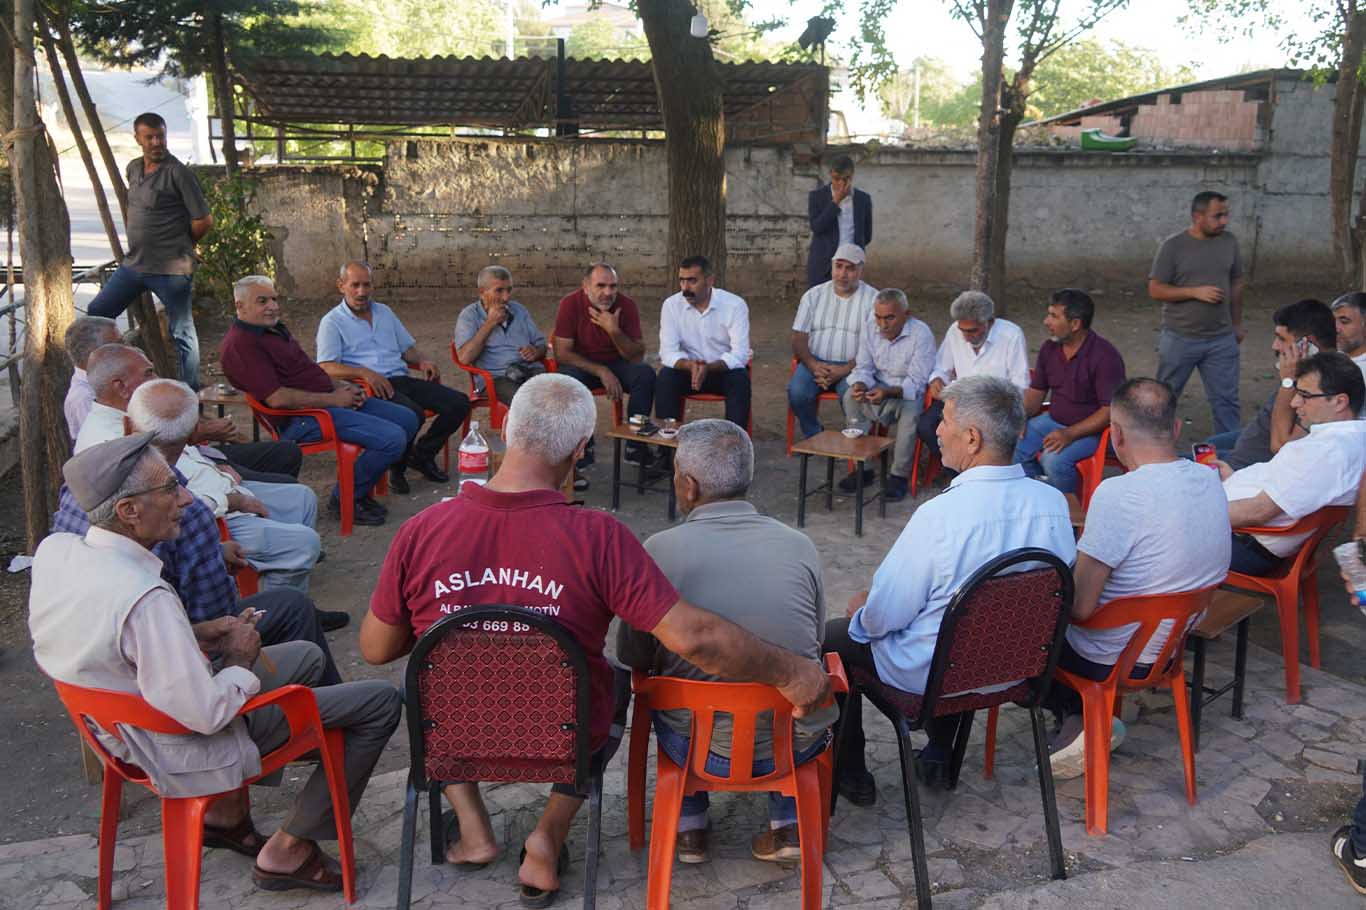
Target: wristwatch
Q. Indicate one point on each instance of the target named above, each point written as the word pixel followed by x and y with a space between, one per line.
pixel 1287 383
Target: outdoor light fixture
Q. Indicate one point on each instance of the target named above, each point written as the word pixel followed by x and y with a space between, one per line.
pixel 698 27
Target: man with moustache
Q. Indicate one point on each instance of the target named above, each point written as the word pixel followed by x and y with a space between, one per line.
pixel 703 344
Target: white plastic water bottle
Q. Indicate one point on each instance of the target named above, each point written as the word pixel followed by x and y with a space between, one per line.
pixel 473 458
pixel 1353 568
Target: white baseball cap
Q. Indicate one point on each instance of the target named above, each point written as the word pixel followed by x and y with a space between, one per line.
pixel 849 252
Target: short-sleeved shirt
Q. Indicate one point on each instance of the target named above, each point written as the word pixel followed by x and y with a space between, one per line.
pixel 500 348
pixel 376 343
pixel 833 323
pixel 1152 548
pixel 161 206
pixel 590 340
pixel 261 360
pixel 579 566
pixel 1081 386
pixel 1185 261
pixel 1321 469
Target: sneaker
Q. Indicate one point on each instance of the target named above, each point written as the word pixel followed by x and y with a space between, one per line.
pixel 1069 758
pixel 850 483
pixel 777 845
pixel 580 482
pixel 858 787
pixel 896 489
pixel 692 846
pixel 398 482
pixel 1353 866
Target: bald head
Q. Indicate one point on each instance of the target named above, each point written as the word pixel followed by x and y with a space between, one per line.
pixel 165 408
pixel 356 283
pixel 115 371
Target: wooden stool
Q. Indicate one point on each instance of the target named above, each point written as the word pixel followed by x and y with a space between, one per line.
pixel 1226 609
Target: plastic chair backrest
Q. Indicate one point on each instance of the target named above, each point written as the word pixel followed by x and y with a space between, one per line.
pixel 1182 608
pixel 1315 524
pixel 1002 626
pixel 107 709
pixel 499 693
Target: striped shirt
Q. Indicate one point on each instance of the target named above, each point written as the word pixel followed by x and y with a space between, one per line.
pixel 832 323
pixel 904 362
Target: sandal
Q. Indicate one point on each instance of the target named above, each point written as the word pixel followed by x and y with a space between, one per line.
pixel 534 898
pixel 450 830
pixel 241 838
pixel 317 872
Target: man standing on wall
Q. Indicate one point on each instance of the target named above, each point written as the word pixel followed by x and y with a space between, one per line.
pixel 167 216
pixel 1198 278
pixel 839 214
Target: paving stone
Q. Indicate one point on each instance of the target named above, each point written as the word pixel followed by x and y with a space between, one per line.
pixel 975 821
pixel 1331 760
pixel 1316 775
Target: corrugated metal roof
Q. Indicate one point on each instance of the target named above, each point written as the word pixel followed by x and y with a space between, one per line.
pixel 468 91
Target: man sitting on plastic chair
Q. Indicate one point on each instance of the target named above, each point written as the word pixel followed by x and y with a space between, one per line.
pixel 116 624
pixel 725 539
pixel 1136 544
pixel 990 508
pixel 516 540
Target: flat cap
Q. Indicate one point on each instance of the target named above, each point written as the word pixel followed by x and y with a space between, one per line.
pixel 97 473
pixel 849 252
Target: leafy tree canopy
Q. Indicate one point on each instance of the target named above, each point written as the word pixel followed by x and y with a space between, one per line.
pixel 1089 69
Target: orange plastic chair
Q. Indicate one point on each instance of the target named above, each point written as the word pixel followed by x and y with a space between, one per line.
pixel 809 783
pixel 792 418
pixel 553 366
pixel 346 452
pixel 488 398
pixel 932 462
pixel 1296 581
pixel 1101 700
pixel 182 820
pixel 712 396
pixel 248 579
pixel 1092 470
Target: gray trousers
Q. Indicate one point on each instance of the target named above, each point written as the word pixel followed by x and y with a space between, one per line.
pixel 283 547
pixel 904 412
pixel 1217 359
pixel 367 712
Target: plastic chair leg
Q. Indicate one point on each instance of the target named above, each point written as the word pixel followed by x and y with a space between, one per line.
pixel 989 746
pixel 670 780
pixel 789 432
pixel 346 485
pixel 635 776
pixel 1287 610
pixel 1097 709
pixel 111 800
pixel 1309 590
pixel 182 838
pixel 406 847
pixel 1185 730
pixel 810 814
pixel 915 471
pixel 334 764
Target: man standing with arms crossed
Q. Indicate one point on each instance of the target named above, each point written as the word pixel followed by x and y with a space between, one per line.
pixel 167 216
pixel 1198 278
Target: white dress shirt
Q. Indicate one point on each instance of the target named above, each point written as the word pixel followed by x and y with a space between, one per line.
pixel 904 362
pixel 720 332
pixel 833 323
pixel 79 399
pixel 1003 353
pixel 205 479
pixel 102 424
pixel 1322 468
pixel 986 511
pixel 846 218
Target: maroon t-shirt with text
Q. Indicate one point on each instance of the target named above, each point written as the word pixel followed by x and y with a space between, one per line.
pixel 590 341
pixel 576 565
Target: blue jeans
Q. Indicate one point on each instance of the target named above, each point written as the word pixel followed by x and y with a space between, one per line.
pixel 383 429
pixel 782 810
pixel 802 397
pixel 174 293
pixel 1058 468
pixel 1218 361
pixel 1224 442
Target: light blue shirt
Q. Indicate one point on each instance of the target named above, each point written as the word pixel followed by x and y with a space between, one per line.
pixel 501 347
pixel 377 343
pixel 905 362
pixel 987 511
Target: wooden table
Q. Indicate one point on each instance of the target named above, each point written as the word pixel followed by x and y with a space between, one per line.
pixel 622 433
pixel 222 396
pixel 838 447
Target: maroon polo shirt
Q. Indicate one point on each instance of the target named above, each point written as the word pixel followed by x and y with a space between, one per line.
pixel 260 361
pixel 1081 386
pixel 590 341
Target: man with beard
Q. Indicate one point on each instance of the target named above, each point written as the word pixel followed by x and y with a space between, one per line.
pixel 703 344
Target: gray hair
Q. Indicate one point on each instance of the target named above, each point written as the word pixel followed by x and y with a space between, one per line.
pixel 242 287
pixel 109 362
pixel 490 273
pixel 973 306
pixel 893 295
pixel 991 404
pixel 346 266
pixel 550 415
pixel 138 480
pixel 718 455
pixel 166 408
pixel 86 334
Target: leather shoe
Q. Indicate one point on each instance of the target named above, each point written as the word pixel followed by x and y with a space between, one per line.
pixel 398 482
pixel 896 489
pixel 428 469
pixel 933 773
pixel 332 620
pixel 850 483
pixel 359 515
pixel 370 503
pixel 858 787
pixel 692 846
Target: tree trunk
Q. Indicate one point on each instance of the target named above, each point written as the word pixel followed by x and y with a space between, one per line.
pixel 689 89
pixel 222 86
pixel 45 243
pixel 1013 101
pixel 6 70
pixel 988 141
pixel 1346 140
pixel 92 116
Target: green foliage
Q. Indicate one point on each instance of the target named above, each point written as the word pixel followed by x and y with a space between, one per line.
pixel 239 244
pixel 944 100
pixel 601 40
pixel 1090 69
pixel 1318 48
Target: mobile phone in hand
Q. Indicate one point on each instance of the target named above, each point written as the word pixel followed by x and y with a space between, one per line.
pixel 1204 453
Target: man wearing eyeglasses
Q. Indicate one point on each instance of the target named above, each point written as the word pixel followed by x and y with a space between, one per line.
pixel 1320 469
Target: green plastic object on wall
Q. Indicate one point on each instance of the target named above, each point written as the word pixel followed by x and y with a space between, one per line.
pixel 1093 140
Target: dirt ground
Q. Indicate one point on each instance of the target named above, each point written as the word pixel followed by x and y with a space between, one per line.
pixel 47 795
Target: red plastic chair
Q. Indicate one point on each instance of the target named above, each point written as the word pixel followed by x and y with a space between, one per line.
pixel 1295 581
pixel 248 579
pixel 792 418
pixel 712 396
pixel 427 414
pixel 932 462
pixel 182 820
pixel 1092 470
pixel 553 366
pixel 810 783
pixel 488 398
pixel 500 693
pixel 1100 700
pixel 346 452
